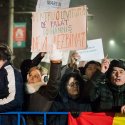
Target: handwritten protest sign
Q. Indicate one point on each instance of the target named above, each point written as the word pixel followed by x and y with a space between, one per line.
pixel 64 27
pixel 94 51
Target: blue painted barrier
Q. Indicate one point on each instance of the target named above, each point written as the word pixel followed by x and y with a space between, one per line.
pixel 20 116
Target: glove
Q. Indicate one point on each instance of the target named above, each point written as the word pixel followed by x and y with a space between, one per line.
pixel 55 54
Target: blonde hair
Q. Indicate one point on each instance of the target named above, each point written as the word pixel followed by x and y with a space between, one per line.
pixel 42 69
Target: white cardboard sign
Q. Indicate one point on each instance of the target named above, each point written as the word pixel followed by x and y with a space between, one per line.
pixel 51 4
pixel 66 28
pixel 94 50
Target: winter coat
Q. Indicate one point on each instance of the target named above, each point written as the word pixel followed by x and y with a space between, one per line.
pixel 104 95
pixel 43 98
pixel 14 86
pixel 64 103
pixel 13 101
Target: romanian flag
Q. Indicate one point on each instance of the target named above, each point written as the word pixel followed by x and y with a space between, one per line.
pixel 90 118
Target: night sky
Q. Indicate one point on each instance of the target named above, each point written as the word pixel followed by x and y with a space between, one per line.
pixel 108 23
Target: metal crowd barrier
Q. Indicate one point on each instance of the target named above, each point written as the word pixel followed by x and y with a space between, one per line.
pixel 21 117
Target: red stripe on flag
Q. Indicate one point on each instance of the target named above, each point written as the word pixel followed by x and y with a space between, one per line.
pixel 90 118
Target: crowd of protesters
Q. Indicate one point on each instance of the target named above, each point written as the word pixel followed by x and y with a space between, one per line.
pixel 94 87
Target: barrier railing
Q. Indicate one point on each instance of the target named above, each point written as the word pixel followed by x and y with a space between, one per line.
pixel 21 120
pixel 84 118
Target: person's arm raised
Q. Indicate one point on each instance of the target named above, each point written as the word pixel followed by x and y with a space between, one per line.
pixel 50 91
pixel 105 65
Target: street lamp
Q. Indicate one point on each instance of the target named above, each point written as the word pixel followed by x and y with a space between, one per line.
pixel 112 43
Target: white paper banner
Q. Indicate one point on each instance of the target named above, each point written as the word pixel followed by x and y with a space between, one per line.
pixel 94 50
pixel 66 28
pixel 51 4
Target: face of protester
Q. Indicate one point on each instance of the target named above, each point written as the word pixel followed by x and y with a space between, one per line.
pixel 118 76
pixel 2 62
pixel 90 70
pixel 34 76
pixel 73 87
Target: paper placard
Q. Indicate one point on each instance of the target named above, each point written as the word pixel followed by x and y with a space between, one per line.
pixel 94 50
pixel 64 27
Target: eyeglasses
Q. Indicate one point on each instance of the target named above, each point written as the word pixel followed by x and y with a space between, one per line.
pixel 73 84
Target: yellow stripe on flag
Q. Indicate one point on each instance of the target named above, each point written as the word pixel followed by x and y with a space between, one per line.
pixel 102 118
pixel 119 119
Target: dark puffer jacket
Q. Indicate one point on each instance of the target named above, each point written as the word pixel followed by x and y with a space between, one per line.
pixel 104 95
pixel 64 103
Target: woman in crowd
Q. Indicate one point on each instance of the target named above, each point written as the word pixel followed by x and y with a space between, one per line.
pixel 36 77
pixel 41 90
pixel 69 99
pixel 29 63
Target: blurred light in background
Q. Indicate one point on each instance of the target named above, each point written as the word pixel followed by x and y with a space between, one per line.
pixel 112 43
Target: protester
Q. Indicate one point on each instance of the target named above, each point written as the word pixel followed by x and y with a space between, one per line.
pixel 36 77
pixel 72 66
pixel 69 99
pixel 90 68
pixel 41 91
pixel 108 96
pixel 28 63
pixel 11 86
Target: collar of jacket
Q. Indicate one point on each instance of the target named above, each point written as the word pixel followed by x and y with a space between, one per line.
pixel 5 64
pixel 117 88
pixel 32 88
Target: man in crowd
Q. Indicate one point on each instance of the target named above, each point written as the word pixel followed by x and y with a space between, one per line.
pixel 110 94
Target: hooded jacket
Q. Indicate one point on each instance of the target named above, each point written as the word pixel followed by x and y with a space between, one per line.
pixel 64 103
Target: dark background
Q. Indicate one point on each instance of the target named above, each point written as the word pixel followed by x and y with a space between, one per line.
pixel 106 21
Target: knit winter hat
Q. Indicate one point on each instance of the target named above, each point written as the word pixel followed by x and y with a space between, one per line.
pixel 115 63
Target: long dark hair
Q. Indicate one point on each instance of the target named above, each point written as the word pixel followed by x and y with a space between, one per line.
pixel 64 81
pixel 83 69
